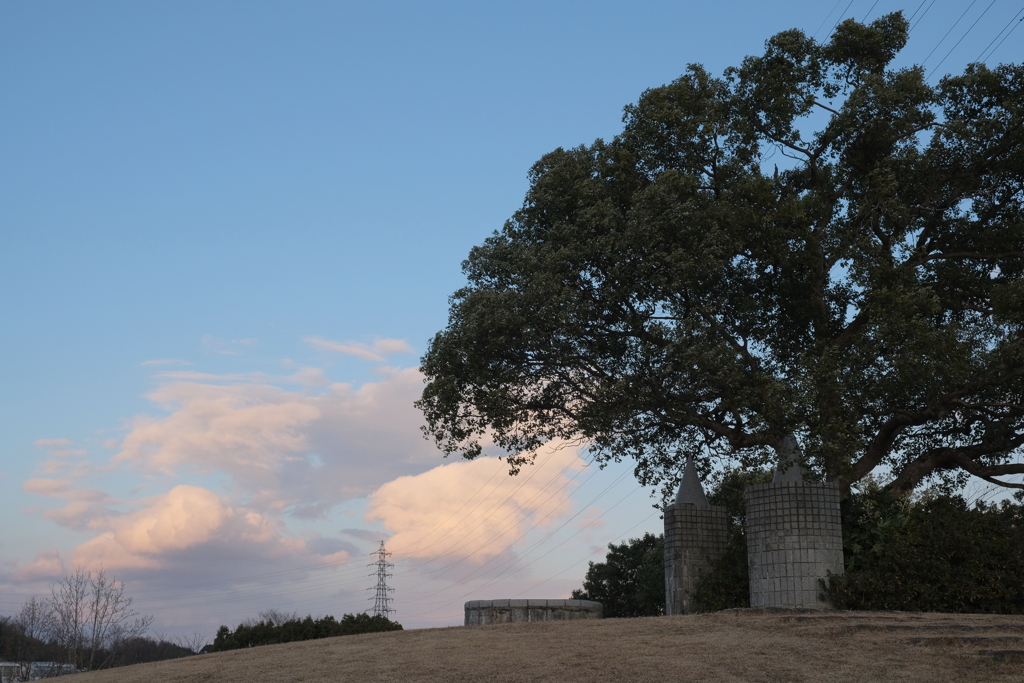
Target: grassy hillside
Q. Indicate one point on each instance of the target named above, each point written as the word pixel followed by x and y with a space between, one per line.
pixel 736 645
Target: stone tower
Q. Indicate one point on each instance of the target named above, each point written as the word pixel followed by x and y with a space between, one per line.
pixel 794 536
pixel 696 534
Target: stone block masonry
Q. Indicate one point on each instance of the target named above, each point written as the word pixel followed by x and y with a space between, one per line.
pixel 481 612
pixel 794 539
pixel 695 536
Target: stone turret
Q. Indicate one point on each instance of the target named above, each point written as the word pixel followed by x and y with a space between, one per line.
pixel 696 534
pixel 794 536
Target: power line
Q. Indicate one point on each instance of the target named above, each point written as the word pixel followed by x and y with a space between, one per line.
pixel 840 19
pixel 617 538
pixel 948 32
pixel 965 35
pixel 1015 22
pixel 533 547
pixel 517 560
pixel 333 581
pixel 496 472
pixel 868 12
pixel 344 576
pixel 521 514
pixel 351 579
pixel 485 518
pixel 917 10
pixel 826 18
pixel 922 16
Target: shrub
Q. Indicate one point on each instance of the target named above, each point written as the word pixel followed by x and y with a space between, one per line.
pixel 727 584
pixel 933 555
pixel 267 632
pixel 631 580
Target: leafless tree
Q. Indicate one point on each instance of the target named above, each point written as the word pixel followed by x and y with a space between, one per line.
pixel 92 617
pixel 68 598
pixel 35 622
pixel 193 643
pixel 277 617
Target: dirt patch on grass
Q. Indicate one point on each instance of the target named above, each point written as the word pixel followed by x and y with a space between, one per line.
pixel 735 645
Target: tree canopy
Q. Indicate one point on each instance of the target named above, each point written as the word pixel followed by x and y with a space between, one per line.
pixel 631 580
pixel 815 243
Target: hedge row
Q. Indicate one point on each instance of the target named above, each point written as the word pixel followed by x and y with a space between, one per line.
pixel 269 633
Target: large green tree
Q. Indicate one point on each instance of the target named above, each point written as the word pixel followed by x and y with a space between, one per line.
pixel 815 243
pixel 631 580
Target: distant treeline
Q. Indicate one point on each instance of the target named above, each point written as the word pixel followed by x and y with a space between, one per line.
pixel 271 631
pixel 17 646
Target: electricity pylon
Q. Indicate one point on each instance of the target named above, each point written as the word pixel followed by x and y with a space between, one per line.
pixel 382 600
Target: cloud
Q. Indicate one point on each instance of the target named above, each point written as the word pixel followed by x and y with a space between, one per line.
pixel 373 352
pixel 186 517
pixel 60 448
pixel 227 347
pixel 363 535
pixel 475 509
pixel 387 347
pixel 46 565
pixel 278 447
pixel 300 452
pixel 187 534
pixel 85 505
pixel 240 429
pixel 62 489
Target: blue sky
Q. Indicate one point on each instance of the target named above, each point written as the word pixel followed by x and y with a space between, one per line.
pixel 231 228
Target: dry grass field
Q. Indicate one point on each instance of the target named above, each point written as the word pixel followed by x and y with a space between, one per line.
pixel 735 645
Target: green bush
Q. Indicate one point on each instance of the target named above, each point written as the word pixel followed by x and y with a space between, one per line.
pixel 631 580
pixel 269 633
pixel 727 584
pixel 933 555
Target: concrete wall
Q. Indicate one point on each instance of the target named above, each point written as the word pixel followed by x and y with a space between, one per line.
pixel 794 539
pixel 695 536
pixel 480 612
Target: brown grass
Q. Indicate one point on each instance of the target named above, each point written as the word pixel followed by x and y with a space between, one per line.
pixel 735 645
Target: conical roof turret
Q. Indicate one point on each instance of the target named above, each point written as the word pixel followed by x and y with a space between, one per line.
pixel 789 470
pixel 690 491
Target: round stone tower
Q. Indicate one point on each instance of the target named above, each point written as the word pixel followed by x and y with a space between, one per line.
pixel 696 534
pixel 794 536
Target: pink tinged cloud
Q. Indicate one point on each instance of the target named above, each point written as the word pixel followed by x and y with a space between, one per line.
pixel 376 352
pixel 474 509
pixel 229 428
pixel 60 448
pixel 184 517
pixel 85 507
pixel 302 450
pixel 45 565
pixel 62 489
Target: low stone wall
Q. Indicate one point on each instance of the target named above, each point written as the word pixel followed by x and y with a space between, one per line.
pixel 794 539
pixel 479 612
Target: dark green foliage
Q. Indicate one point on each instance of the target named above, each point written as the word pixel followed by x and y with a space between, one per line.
pixel 141 650
pixel 814 243
pixel 631 580
pixel 728 492
pixel 935 555
pixel 727 585
pixel 15 646
pixel 268 633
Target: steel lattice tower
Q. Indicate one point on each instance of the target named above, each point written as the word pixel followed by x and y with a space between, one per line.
pixel 382 600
